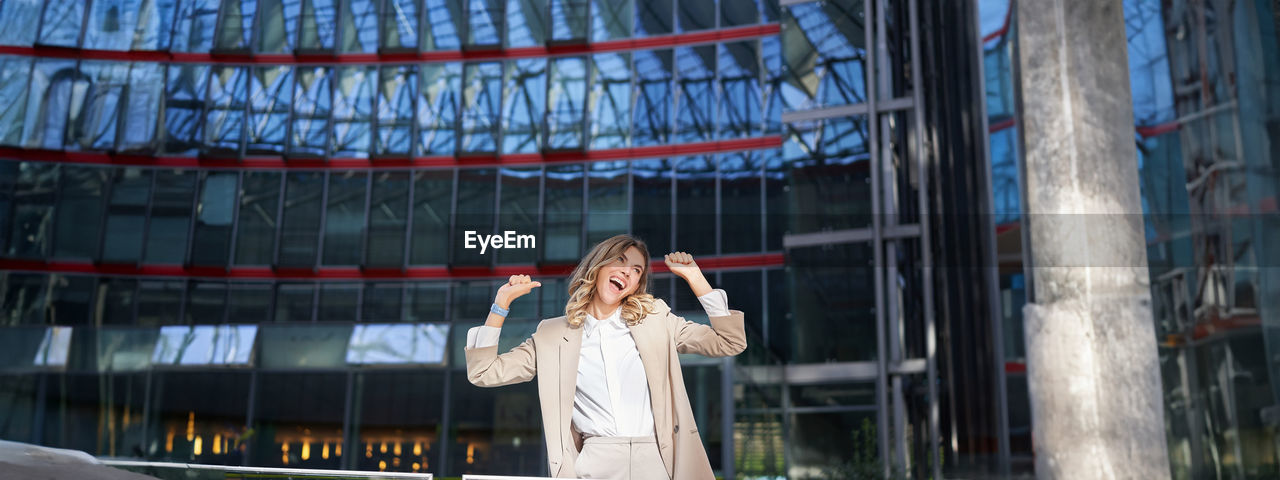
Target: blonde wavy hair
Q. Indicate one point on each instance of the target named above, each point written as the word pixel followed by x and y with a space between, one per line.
pixel 582 283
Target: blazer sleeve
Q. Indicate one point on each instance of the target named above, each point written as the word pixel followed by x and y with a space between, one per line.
pixel 486 368
pixel 725 337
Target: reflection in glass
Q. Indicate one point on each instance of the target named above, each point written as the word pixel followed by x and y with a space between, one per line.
pixel 159 302
pixel 294 302
pixel 170 219
pixel 432 207
pixel 33 202
pixel 303 346
pixel 495 429
pixel 832 72
pixel 374 344
pixel 654 97
pixel 562 213
pixel 277 25
pixel 117 296
pixel 211 407
pixel 236 25
pixel 481 100
pixel 80 207
pixel 400 24
pixel 249 303
pixel 311 106
pixel 211 239
pixel 695 15
pixel 524 97
pixel 204 345
pixel 610 100
pixel 193 29
pixel 388 218
pixel 381 302
pixel 259 204
pixel 318 27
pixel 22 21
pixel 403 411
pixel 339 302
pixel 293 434
pixel 654 17
pixel 300 231
pixel 824 332
pixel 569 20
pixel 14 72
pixel 206 302
pixel 696 93
pixel 344 218
pixel 126 215
pixel 566 101
pixel 184 107
pixel 141 112
pixel 395 100
pixel 352 111
pixel 92 120
pixel 611 19
pixel 24 299
pixel 52 82
pixel 740 88
pixel 425 302
pixel 71 299
pixel 438 108
pixel 830 186
pixel 608 199
pixel 445 21
pixel 486 22
pixel 735 13
pixel 61 25
pixel 526 23
pixel 360 26
pixel 270 95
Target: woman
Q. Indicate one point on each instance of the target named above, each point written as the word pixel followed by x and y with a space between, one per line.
pixel 609 382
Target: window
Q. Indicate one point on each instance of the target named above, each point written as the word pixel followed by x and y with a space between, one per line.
pixel 651 208
pixel 353 111
pixel 485 18
pixel 22 21
pixel 224 123
pixel 300 231
pixel 184 107
pixel 193 29
pixel 277 29
pixel 569 20
pixel 400 24
pixel 481 101
pixel 396 98
pixel 445 22
pixel 608 194
pixel 126 215
pixel 525 93
pixel 344 217
pixel 211 243
pixel 14 73
pixel 360 26
pixel 611 19
pixel 388 218
pixel 566 103
pixel 696 214
pixel 111 24
pixel 518 211
pixel 438 108
pixel 318 29
pixel 740 207
pixel 312 102
pixel 832 72
pixel 259 207
pixel 654 17
pixel 61 25
pixel 80 208
pixel 270 95
pixel 654 97
pixel 740 86
pixel 236 25
pixel 562 214
pixel 170 220
pixel 142 108
pixel 432 208
pixel 696 93
pixel 526 23
pixel 52 83
pixel 610 100
pixel 475 212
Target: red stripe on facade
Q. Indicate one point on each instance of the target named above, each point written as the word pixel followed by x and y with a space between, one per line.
pixel 1001 125
pixel 1157 130
pixel 354 273
pixel 279 163
pixel 646 43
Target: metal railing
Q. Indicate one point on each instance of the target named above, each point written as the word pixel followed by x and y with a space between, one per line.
pixel 193 471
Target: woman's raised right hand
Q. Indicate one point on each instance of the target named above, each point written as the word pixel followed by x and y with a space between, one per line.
pixel 515 288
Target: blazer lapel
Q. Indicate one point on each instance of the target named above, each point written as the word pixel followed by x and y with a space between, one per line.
pixel 570 350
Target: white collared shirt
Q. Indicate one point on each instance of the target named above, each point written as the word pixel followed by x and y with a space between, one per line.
pixel 613 392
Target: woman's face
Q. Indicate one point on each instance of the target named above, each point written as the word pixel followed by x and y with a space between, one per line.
pixel 620 277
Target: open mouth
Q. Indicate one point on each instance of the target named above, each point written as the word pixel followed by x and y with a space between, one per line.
pixel 617 284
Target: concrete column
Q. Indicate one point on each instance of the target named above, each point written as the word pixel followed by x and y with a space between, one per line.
pixel 1092 367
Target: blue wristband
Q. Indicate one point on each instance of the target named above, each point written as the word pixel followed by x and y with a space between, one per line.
pixel 499 310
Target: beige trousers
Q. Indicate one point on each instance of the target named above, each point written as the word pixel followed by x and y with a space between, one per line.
pixel 621 458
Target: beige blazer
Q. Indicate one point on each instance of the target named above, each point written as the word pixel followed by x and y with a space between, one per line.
pixel 551 355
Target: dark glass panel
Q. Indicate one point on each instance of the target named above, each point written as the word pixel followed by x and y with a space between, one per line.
pixel 360 26
pixel 819 440
pixel 344 217
pixel 80 208
pixel 339 302
pixel 696 92
pixel 651 207
pixel 52 83
pixel 71 403
pixel 832 311
pixel 829 184
pixel 471 301
pixel 318 29
pixel 518 213
pixel 249 303
pixel 388 218
pixel 224 121
pixel 562 214
pixel 71 301
pixel 610 107
pixel 496 430
pixel 425 302
pixel 611 19
pixel 438 108
pixel 831 72
pixel 206 303
pixel 696 215
pixel 566 103
pixel 184 107
pixel 432 206
pixel 608 196
pixel 210 406
pixel 18 407
pixel 300 233
pixel 211 243
pixel 382 302
pixel 400 24
pixel 445 22
pixel 401 411
pixel 396 97
pixel 159 302
pixel 270 95
pixel 526 23
pixel 312 103
pixel 170 220
pixel 745 290
pixel 734 13
pixel 258 217
pixel 741 214
pixel 353 111
pixel 525 94
pixel 475 213
pixel 117 297
pixel 62 21
pixel 654 17
pixel 126 215
pixel 236 25
pixel 696 15
pixel 24 299
pixel 481 103
pixel 703 384
pixel 777 200
pixel 294 302
pixel 654 98
pixel 486 19
pixel 287 431
pixel 14 73
pixel 740 110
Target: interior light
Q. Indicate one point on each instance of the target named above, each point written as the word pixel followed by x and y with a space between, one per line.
pixel 191 426
pixel 306 450
pixel 197 448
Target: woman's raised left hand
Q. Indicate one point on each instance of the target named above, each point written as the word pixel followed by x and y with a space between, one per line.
pixel 682 265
